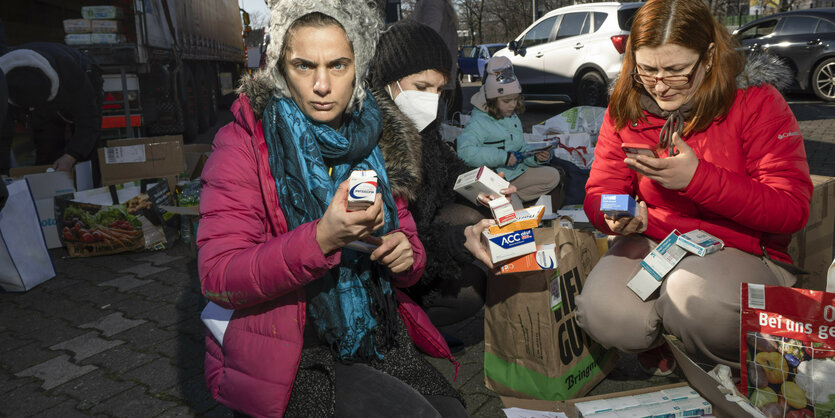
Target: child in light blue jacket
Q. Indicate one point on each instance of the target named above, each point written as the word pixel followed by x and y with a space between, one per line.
pixel 493 136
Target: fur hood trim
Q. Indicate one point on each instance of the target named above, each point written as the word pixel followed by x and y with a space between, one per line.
pixel 764 68
pixel 29 58
pixel 401 145
pixel 400 142
pixel 359 18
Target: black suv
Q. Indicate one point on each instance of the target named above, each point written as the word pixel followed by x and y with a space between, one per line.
pixel 805 39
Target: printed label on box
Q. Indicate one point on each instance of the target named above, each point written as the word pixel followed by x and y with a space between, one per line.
pixel 664 257
pixel 125 154
pixel 700 242
pixel 362 189
pixel 506 246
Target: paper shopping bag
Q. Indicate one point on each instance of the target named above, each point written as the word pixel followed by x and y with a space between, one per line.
pixel 533 347
pixel 24 258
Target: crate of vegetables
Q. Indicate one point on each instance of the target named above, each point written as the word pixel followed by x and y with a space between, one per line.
pixel 788 351
pixel 116 219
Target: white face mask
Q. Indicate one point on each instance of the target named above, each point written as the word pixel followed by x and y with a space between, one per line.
pixel 419 106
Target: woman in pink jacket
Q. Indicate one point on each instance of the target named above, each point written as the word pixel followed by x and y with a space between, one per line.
pixel 731 163
pixel 319 328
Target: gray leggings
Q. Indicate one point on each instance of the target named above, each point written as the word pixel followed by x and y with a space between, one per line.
pixel 698 301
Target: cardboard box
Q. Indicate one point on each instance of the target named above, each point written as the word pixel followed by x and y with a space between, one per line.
pixel 479 180
pixel 811 247
pixel 506 246
pixel 196 156
pixel 78 26
pixel 45 186
pixel 107 38
pixel 707 386
pixel 125 160
pixel 545 257
pixel 527 218
pixel 618 205
pixel 102 12
pixel 117 218
pixel 656 265
pixel 568 407
pixel 105 26
pixel 362 190
pixel 503 212
pixel 699 242
pixel 78 39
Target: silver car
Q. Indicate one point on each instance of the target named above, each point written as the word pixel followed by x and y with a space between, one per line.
pixel 572 53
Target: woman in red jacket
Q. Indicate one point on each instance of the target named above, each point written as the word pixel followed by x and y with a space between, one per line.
pixel 319 328
pixel 731 163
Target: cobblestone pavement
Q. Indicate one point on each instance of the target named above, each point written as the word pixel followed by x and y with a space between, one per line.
pixel 121 336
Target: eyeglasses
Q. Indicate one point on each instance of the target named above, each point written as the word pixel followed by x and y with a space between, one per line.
pixel 669 80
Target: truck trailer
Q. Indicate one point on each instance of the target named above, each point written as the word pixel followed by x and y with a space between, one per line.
pixel 166 63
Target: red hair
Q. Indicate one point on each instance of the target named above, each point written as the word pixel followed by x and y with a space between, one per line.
pixel 687 23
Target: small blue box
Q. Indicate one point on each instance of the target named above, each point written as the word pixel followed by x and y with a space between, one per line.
pixel 618 205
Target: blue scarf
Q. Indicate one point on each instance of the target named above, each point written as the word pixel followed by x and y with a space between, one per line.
pixel 344 302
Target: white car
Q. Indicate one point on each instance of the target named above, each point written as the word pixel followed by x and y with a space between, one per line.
pixel 572 53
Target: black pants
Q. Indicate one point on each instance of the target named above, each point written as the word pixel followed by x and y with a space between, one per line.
pixel 362 391
pixel 458 300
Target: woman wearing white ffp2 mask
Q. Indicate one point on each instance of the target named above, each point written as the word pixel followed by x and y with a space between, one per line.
pixel 411 66
pixel 419 99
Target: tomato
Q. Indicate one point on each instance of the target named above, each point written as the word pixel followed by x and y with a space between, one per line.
pixel 68 236
pixel 86 237
pixel 98 235
pixel 802 413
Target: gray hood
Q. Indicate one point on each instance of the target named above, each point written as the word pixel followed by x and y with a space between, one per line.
pixel 359 18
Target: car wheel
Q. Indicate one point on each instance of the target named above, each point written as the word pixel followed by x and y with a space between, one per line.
pixel 591 90
pixel 823 80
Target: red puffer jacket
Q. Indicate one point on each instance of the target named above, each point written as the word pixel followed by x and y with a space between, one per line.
pixel 751 187
pixel 250 262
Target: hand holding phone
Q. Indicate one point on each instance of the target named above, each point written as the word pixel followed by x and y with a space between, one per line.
pixel 640 149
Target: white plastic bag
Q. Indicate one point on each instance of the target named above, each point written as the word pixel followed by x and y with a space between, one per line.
pixel 24 258
pixel 587 119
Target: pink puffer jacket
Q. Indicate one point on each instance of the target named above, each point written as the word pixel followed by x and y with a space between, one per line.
pixel 250 262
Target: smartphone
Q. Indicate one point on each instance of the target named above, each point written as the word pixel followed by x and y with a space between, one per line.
pixel 366 245
pixel 640 149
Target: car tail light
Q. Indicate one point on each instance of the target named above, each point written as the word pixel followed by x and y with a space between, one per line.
pixel 619 41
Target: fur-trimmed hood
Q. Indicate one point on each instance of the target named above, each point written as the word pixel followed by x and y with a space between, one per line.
pixel 764 68
pixel 359 18
pixel 400 142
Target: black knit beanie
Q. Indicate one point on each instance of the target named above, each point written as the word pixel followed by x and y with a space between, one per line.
pixel 28 87
pixel 408 47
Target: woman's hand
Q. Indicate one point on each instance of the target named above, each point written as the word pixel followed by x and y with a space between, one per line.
pixel 626 225
pixel 338 227
pixel 672 173
pixel 485 199
pixel 473 243
pixel 395 252
pixel 543 156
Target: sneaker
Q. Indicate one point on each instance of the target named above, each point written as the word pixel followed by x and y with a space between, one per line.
pixel 658 361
